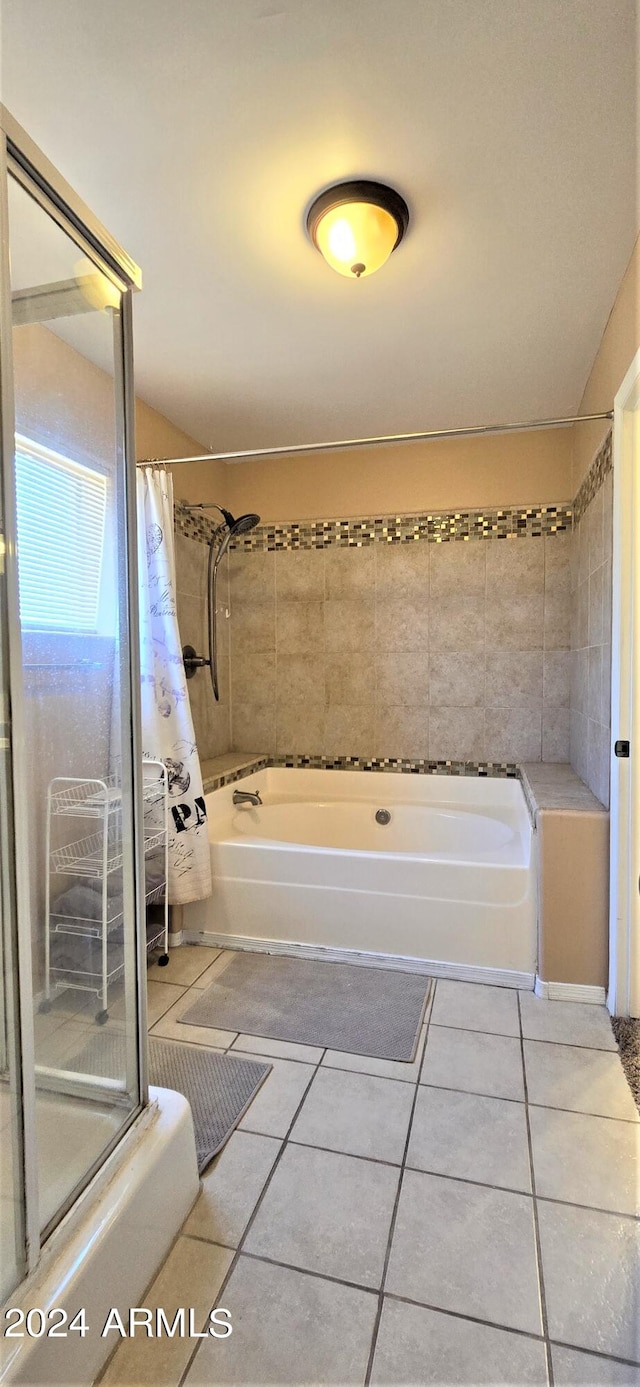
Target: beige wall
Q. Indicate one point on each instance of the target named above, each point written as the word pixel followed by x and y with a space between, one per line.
pixel 453 474
pixel 157 437
pixel 619 344
pixel 573 868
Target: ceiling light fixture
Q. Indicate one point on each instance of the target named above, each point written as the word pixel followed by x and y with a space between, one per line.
pixel 356 225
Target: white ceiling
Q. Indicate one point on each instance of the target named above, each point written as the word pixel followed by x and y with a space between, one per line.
pixel 199 131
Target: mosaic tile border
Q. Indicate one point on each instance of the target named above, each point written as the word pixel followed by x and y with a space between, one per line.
pixel 436 527
pixel 399 765
pixel 193 524
pixel 488 770
pixel 599 469
pixel 433 527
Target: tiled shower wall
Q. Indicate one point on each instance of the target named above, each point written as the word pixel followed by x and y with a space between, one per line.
pixel 455 650
pixel 591 627
pixel 212 721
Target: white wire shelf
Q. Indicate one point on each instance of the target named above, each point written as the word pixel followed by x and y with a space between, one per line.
pixel 86 857
pixel 90 927
pixel 91 917
pixel 87 980
pixel 91 799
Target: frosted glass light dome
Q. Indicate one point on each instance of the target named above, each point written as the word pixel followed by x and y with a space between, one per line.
pixel 357 225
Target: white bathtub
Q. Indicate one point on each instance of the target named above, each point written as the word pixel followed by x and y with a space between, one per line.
pixel 447 886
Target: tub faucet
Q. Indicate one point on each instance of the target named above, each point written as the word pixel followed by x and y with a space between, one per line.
pixel 247 797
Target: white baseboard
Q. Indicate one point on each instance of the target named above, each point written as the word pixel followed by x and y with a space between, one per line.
pixel 570 992
pixel 462 972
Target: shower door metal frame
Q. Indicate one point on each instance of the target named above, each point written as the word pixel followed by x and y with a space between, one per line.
pixel 21 159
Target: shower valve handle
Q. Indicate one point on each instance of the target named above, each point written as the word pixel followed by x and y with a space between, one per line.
pixel 192 661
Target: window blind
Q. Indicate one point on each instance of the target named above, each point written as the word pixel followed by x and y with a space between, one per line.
pixel 61 509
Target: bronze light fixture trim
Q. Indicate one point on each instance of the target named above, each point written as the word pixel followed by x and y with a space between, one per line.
pixel 356 225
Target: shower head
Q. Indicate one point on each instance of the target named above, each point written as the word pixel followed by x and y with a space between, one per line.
pixel 234 527
pixel 243 524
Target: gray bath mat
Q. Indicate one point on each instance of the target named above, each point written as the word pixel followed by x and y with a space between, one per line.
pixel 218 1088
pixel 365 1011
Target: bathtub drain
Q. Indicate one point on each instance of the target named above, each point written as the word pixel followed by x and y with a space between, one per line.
pixel 383 816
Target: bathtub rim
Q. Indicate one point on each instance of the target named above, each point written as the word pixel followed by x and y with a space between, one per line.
pixel 476 800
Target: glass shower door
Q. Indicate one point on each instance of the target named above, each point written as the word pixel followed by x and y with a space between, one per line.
pixel 74 770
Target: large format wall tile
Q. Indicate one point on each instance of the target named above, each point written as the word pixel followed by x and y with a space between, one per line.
pixel 452 650
pixel 459 568
pixel 402 570
pixel 401 731
pixel 299 575
pixel 348 730
pixel 515 568
pixel 462 728
pixel 591 616
pixel 252 577
pixel 402 623
pixel 515 621
pixel 458 623
pixel 457 679
pixel 349 623
pixel 351 681
pixel 349 572
pixel 514 734
pixel 298 627
pixel 514 677
pixel 403 677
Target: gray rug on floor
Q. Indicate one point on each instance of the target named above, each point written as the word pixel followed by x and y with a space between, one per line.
pixel 627 1034
pixel 340 1006
pixel 218 1088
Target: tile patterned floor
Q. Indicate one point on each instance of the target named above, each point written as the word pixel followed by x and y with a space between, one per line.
pixel 473 1217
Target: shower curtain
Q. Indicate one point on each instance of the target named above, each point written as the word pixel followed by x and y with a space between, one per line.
pixel 167 725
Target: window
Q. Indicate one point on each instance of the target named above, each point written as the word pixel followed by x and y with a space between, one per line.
pixel 61 508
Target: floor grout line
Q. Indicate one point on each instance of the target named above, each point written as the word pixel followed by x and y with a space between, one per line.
pixel 392 1227
pixel 536 1223
pixel 530 1039
pixel 256 1207
pixel 257 1055
pixel 339 1151
pixel 549 1107
pixel 314 1066
pixel 463 1315
pixel 595 1353
pixel 309 1271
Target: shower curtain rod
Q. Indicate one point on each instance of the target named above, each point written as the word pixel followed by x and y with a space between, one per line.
pixel 344 443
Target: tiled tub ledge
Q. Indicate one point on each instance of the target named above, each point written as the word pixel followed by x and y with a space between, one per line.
pixel 555 785
pixel 572 833
pixel 231 766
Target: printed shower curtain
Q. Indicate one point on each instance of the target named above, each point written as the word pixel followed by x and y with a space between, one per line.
pixel 167 725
